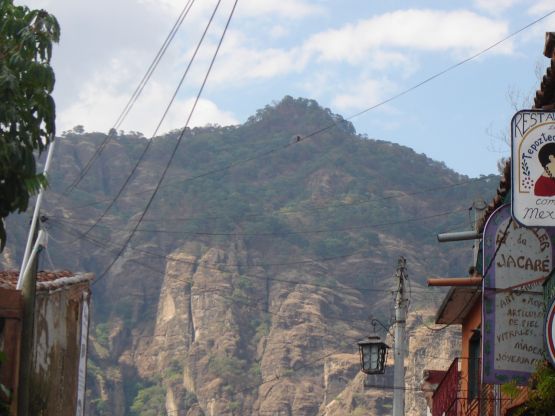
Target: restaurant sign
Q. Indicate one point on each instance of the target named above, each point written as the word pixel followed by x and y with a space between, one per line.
pixel 516 262
pixel 533 168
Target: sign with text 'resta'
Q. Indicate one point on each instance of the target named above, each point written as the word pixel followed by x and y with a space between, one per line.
pixel 533 168
pixel 516 262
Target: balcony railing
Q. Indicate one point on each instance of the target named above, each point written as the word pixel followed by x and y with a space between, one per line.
pixel 457 397
pixel 445 397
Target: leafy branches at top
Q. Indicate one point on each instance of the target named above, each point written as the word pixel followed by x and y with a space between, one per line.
pixel 27 110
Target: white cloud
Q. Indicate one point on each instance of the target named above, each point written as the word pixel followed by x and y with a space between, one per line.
pixel 290 9
pixel 278 31
pixel 457 32
pixel 362 94
pixel 495 6
pixel 541 7
pixel 238 62
pixel 537 31
pixel 100 101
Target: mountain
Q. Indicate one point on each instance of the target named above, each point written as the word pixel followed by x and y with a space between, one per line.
pixel 251 277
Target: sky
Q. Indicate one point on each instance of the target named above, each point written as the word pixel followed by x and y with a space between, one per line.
pixel 348 55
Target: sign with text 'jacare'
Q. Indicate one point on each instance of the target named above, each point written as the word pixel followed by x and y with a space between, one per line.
pixel 517 260
pixel 533 168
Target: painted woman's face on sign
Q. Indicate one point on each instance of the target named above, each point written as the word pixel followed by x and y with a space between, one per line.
pixel 545 184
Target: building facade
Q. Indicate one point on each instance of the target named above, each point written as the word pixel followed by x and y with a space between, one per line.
pixel 478 382
pixel 60 332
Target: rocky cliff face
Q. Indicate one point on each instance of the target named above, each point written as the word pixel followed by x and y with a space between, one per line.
pixel 249 281
pixel 228 343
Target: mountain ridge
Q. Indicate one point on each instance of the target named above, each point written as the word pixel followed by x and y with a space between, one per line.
pixel 258 257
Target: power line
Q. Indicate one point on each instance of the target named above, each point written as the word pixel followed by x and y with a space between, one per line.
pixel 452 67
pixel 298 262
pixel 436 75
pixel 197 264
pixel 162 177
pixel 277 234
pixel 149 142
pixel 134 97
pixel 256 303
pixel 386 101
pixel 467 303
pixel 287 211
pixel 336 287
pixel 103 245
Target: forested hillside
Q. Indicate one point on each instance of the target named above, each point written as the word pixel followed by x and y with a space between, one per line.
pixel 248 282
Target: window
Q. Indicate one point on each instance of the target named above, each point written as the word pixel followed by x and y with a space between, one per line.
pixel 474 365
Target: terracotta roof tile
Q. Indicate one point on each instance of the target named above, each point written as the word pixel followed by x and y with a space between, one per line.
pixel 502 191
pixel 8 278
pixel 545 96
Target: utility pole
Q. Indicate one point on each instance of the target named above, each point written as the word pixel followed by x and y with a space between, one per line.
pixel 27 283
pixel 401 306
pixel 479 206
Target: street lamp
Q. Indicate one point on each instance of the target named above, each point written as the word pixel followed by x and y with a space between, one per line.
pixel 372 355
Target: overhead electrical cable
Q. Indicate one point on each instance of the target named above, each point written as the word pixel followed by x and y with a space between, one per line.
pixel 467 303
pixel 103 246
pixel 134 97
pixel 196 264
pixel 381 103
pixel 149 142
pixel 276 234
pixel 293 210
pixel 163 175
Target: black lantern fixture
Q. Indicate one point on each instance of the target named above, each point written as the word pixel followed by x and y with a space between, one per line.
pixel 372 355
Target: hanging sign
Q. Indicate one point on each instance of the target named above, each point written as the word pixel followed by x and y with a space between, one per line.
pixel 516 262
pixel 550 332
pixel 533 168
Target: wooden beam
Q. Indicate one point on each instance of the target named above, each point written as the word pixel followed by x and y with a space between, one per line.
pixel 455 281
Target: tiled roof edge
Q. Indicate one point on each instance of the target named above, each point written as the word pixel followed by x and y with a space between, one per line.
pixel 65 281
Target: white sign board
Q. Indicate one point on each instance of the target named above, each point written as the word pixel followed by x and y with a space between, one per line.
pixel 533 168
pixel 516 261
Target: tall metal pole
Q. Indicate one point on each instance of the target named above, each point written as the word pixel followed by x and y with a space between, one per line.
pixel 27 283
pixel 401 306
pixel 32 230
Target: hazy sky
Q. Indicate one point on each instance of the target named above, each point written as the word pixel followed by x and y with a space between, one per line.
pixel 346 54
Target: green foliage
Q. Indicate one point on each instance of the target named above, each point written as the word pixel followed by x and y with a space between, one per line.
pixel 173 372
pixel 99 406
pixel 510 389
pixel 102 332
pixel 262 329
pixel 334 246
pixel 255 373
pixel 189 400
pixel 541 400
pixel 27 110
pixel 229 369
pixel 235 405
pixel 150 401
